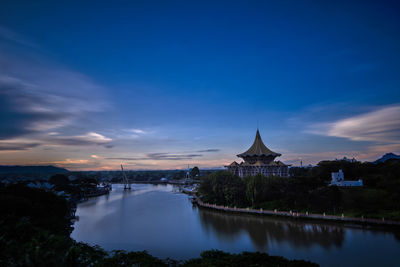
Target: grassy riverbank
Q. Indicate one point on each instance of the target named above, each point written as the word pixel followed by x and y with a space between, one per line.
pixel 380 198
pixel 35 228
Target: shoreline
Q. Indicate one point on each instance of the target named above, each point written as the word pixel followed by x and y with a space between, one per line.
pixel 298 215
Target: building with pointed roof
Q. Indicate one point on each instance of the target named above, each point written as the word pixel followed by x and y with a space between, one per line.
pixel 258 159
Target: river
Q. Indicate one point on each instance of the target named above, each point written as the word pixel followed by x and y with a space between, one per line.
pixel 161 220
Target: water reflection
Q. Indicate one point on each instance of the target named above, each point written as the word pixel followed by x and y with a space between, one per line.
pixel 163 221
pixel 263 231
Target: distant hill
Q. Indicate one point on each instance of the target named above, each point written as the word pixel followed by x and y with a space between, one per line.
pixel 386 157
pixel 32 169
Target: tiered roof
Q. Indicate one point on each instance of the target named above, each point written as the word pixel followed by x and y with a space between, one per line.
pixel 258 149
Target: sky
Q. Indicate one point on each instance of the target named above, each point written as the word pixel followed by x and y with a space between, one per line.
pixel 90 85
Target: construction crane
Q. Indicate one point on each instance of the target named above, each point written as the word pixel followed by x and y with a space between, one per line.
pixel 127 184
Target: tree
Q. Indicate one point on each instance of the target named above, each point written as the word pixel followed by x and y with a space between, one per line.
pixel 194 172
pixel 256 187
pixel 223 188
pixel 59 180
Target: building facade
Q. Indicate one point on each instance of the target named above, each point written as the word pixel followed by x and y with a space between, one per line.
pixel 258 159
pixel 338 180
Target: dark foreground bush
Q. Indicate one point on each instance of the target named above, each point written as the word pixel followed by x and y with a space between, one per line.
pixel 220 258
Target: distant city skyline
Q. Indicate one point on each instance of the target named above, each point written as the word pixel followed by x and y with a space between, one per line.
pixel 164 84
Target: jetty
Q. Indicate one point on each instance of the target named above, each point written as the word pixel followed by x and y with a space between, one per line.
pixel 98 191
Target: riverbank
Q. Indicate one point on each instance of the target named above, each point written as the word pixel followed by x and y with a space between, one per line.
pixel 297 215
pixel 172 182
pixel 97 191
pixel 150 217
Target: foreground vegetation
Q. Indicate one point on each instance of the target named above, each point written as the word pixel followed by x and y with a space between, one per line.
pixel 35 228
pixel 307 190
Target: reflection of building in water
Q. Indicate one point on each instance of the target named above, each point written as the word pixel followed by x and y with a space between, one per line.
pixel 338 180
pixel 264 231
pixel 258 159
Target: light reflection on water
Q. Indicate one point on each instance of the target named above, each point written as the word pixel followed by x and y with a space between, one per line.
pixel 264 231
pixel 159 219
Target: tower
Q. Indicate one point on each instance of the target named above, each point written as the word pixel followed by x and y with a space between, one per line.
pixel 258 159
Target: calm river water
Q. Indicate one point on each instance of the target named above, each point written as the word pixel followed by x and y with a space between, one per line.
pixel 159 219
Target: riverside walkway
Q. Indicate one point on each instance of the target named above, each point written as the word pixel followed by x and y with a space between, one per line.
pixel 297 214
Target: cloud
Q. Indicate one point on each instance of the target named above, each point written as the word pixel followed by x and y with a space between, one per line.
pixel 159 156
pixel 72 161
pixel 44 103
pixel 38 96
pixel 20 109
pixel 132 134
pixel 125 158
pixel 27 108
pixel 380 125
pixel 90 138
pixel 137 131
pixel 167 156
pixel 16 146
pixel 209 150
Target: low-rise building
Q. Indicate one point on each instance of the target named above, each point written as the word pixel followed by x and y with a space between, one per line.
pixel 338 180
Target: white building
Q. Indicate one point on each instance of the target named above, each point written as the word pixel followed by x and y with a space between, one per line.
pixel 338 180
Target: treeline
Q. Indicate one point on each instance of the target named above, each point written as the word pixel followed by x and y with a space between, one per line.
pixel 381 175
pixel 155 175
pixel 307 190
pixel 35 229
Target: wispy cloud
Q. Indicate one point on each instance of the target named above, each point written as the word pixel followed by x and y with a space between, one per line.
pixel 15 146
pixel 168 156
pixel 12 36
pixel 36 105
pixel 37 95
pixel 131 134
pixel 209 150
pixel 79 140
pixel 43 103
pixel 71 161
pixel 137 131
pixel 380 125
pixel 126 158
pixel 88 139
pixel 159 156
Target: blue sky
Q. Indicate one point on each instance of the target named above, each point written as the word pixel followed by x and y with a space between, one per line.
pixel 163 84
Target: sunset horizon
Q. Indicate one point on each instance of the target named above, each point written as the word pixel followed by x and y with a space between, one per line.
pixel 157 88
